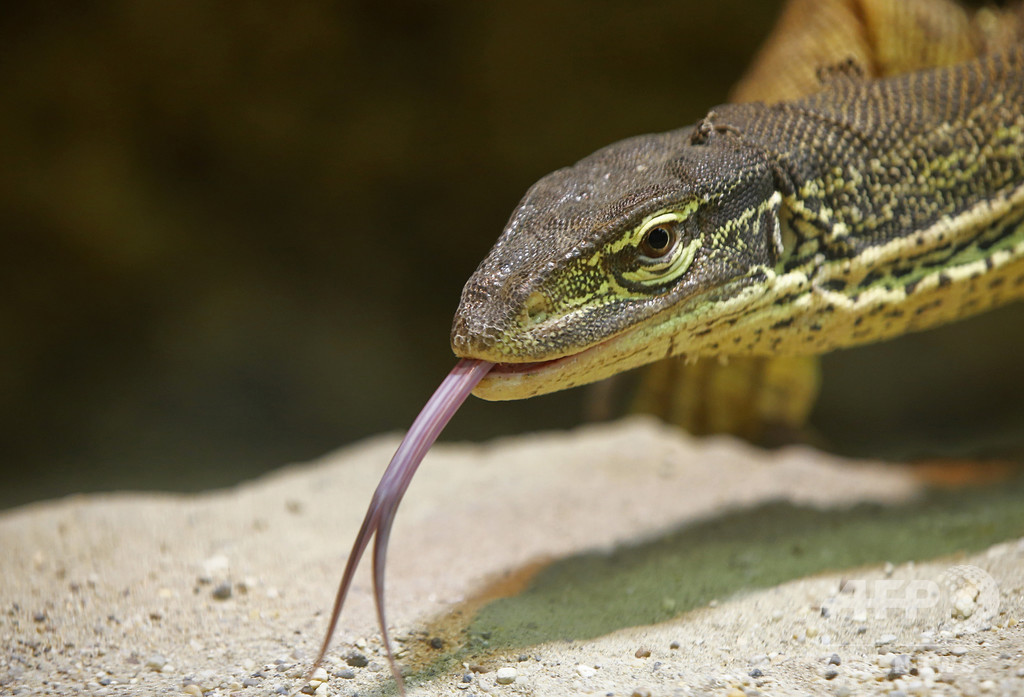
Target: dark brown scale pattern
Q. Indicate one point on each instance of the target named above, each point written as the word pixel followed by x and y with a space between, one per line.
pixel 906 124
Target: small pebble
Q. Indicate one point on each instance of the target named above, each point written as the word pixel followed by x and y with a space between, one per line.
pixel 345 674
pixel 900 666
pixel 831 674
pixel 251 682
pixel 674 645
pixel 958 650
pixel 320 674
pixel 156 662
pixel 437 643
pixel 322 691
pixel 39 617
pixel 506 676
pixel 835 660
pixel 641 692
pixel 885 639
pixel 357 660
pixel 643 652
pixel 759 659
pixel 193 690
pixel 756 673
pixel 222 591
pixel 586 671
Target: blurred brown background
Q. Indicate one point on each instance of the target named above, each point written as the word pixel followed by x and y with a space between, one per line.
pixel 234 234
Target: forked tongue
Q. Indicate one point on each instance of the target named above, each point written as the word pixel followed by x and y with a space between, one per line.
pixel 435 415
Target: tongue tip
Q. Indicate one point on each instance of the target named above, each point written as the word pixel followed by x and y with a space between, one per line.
pixel 425 429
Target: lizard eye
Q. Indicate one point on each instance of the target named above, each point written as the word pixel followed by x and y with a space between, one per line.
pixel 659 241
pixel 663 250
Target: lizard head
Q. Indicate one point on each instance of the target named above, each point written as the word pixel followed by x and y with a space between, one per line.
pixel 618 260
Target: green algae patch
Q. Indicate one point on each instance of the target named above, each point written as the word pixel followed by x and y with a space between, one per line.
pixel 590 595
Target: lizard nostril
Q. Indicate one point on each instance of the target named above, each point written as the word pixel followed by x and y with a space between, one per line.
pixel 536 308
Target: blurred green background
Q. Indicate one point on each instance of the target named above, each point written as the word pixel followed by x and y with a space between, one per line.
pixel 234 234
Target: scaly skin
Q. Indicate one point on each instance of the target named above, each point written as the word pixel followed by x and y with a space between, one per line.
pixel 768 399
pixel 869 209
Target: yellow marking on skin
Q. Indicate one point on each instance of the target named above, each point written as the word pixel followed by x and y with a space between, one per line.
pixel 943 231
pixel 740 220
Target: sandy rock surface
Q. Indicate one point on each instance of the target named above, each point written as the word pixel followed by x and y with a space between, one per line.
pixel 227 592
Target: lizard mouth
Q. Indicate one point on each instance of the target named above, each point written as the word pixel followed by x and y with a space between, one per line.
pixel 507 381
pixel 528 367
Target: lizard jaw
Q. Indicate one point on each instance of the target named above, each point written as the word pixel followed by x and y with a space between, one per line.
pixel 508 381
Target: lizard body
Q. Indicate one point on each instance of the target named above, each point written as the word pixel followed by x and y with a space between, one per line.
pixel 869 209
pixel 769 398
